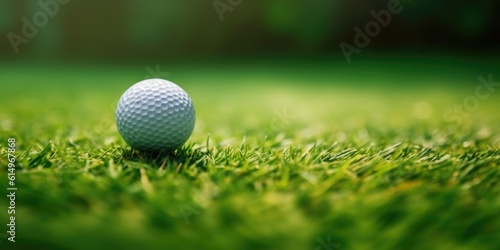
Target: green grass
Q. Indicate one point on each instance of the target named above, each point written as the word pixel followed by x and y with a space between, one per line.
pixel 290 159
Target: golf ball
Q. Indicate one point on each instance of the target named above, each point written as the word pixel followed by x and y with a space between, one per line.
pixel 155 115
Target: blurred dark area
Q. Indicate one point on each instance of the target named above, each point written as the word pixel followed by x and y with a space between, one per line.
pixel 133 30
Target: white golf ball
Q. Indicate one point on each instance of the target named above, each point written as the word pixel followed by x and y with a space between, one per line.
pixel 155 115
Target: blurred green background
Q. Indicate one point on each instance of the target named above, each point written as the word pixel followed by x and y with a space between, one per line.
pixel 169 30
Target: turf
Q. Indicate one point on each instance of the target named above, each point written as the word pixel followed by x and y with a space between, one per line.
pixel 291 158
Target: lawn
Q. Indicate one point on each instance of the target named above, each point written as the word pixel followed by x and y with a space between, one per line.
pixel 305 155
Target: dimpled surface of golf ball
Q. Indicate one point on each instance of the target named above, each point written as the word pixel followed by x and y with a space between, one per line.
pixel 155 115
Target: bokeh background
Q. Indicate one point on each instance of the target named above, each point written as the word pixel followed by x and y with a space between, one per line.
pixel 171 30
